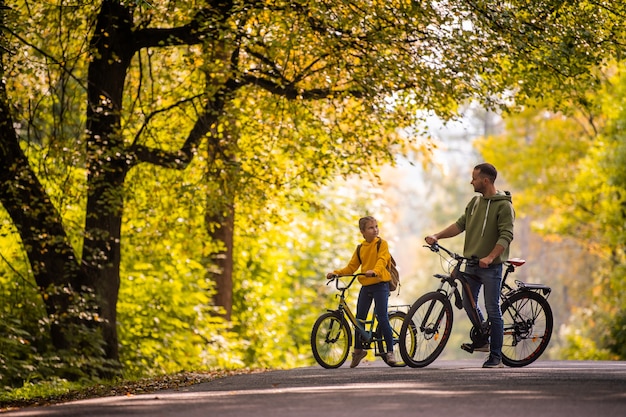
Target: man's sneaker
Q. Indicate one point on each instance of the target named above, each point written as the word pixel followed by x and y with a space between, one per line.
pixel 390 358
pixel 493 362
pixel 357 355
pixel 471 347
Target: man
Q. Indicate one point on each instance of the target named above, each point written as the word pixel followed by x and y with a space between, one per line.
pixel 488 226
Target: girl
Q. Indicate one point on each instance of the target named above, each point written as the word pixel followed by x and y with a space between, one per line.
pixel 373 260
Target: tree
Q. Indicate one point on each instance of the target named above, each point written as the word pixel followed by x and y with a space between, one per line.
pixel 111 151
pixel 349 68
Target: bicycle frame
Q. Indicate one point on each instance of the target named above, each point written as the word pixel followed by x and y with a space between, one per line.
pixel 364 327
pixel 481 329
pixel 451 281
pixel 344 310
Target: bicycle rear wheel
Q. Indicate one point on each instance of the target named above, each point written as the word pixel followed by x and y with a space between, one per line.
pixel 426 330
pixel 396 319
pixel 330 340
pixel 528 325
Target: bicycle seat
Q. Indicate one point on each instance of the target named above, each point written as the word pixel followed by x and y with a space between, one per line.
pixel 516 261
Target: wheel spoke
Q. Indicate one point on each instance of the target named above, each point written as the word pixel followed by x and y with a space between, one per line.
pixel 426 330
pixel 330 341
pixel 527 328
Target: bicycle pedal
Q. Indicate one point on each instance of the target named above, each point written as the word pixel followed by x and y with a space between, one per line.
pixel 467 347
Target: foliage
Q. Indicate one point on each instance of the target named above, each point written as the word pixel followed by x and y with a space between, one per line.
pixel 27 356
pixel 52 131
pixel 617 335
pixel 259 105
pixel 281 274
pixel 576 164
pixel 58 391
pixel 25 346
pixel 581 348
pixel 544 49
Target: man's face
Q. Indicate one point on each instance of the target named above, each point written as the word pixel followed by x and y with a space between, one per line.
pixel 479 181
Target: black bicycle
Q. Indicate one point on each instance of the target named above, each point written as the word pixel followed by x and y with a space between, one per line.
pixel 525 310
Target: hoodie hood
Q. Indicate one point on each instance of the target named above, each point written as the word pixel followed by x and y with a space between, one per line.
pixel 499 195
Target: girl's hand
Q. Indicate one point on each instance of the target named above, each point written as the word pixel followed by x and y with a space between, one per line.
pixel 370 273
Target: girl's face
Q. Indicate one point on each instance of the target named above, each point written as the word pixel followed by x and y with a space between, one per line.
pixel 371 231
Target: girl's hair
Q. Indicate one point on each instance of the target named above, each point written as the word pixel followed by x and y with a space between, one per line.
pixel 363 221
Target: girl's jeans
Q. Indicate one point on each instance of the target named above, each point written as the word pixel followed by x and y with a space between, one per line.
pixel 491 279
pixel 380 294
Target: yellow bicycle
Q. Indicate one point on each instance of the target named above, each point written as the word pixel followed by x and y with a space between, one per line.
pixel 331 336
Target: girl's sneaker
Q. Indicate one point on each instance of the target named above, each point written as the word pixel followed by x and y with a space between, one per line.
pixel 357 355
pixel 391 358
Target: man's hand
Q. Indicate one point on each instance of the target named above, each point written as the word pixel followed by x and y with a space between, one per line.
pixel 485 262
pixel 488 260
pixel 431 239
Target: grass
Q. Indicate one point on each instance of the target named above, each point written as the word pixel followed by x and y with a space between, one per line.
pixel 46 393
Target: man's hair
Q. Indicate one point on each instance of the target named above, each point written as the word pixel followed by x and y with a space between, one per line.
pixel 363 221
pixel 487 170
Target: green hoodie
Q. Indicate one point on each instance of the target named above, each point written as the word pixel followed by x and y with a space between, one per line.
pixel 488 221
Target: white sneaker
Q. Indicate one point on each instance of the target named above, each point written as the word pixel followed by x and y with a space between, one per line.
pixel 390 358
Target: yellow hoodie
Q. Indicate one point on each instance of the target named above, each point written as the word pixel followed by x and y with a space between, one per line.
pixel 371 258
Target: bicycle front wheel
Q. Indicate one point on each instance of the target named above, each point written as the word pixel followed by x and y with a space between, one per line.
pixel 396 319
pixel 528 325
pixel 426 330
pixel 330 340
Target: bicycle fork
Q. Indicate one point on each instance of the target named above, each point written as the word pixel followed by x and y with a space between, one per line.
pixel 428 327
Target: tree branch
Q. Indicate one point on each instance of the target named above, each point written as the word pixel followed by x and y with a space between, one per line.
pixel 206 24
pixel 291 92
pixel 181 158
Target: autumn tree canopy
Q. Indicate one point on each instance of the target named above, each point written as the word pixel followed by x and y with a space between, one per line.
pixel 274 97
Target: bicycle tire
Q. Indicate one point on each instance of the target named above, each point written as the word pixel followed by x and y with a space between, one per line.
pixel 331 339
pixel 528 323
pixel 426 329
pixel 396 319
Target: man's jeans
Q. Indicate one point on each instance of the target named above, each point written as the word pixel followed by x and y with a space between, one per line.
pixel 380 294
pixel 491 279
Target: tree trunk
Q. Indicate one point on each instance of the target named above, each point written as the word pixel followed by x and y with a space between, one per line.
pixel 220 212
pixel 108 164
pixel 51 256
pixel 221 229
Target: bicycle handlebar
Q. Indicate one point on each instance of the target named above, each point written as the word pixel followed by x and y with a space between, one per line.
pixel 435 247
pixel 337 280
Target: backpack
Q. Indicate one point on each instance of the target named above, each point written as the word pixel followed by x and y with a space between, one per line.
pixel 391 267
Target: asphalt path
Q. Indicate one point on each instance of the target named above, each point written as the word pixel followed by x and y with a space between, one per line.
pixel 443 389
